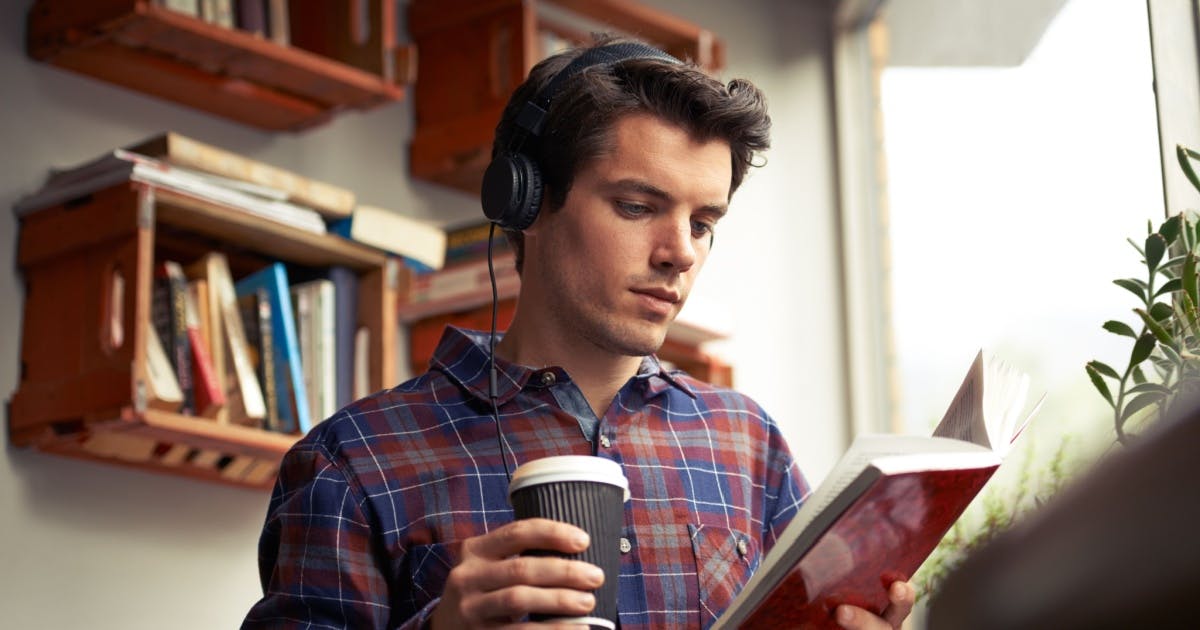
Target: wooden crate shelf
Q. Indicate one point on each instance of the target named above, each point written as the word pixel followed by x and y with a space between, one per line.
pixel 82 389
pixel 231 73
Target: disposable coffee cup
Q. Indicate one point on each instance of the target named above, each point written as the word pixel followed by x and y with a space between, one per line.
pixel 590 493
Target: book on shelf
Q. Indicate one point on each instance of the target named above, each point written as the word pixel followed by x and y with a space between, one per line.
pixel 345 326
pixel 458 288
pixel 168 312
pixel 467 243
pixel 313 302
pixel 219 12
pixel 255 310
pixel 421 244
pixel 162 388
pixel 333 202
pixel 187 7
pixel 251 16
pixel 291 389
pixel 120 165
pixel 209 393
pixel 884 507
pixel 243 392
pixel 208 307
pixel 279 23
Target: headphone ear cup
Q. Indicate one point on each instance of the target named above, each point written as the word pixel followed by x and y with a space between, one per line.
pixel 530 200
pixel 512 191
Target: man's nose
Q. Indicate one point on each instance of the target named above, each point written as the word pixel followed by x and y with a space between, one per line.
pixel 675 247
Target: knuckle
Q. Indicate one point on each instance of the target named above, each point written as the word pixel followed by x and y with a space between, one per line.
pixel 518 570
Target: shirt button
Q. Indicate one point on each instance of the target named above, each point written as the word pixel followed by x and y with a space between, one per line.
pixel 605 442
pixel 742 547
pixel 626 546
pixel 548 378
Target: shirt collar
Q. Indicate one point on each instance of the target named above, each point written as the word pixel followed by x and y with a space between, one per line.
pixel 463 356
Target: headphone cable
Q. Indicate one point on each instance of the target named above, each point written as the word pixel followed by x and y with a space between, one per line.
pixel 492 355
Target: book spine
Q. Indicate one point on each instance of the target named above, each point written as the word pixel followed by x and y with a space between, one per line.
pixel 345 289
pixel 210 396
pixel 279 22
pixel 302 304
pixel 253 408
pixel 326 348
pixel 251 16
pixel 168 313
pixel 469 244
pixel 267 372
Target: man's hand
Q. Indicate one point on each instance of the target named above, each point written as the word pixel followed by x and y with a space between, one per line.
pixel 902 596
pixel 492 587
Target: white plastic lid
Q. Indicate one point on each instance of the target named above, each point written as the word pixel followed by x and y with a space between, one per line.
pixel 568 468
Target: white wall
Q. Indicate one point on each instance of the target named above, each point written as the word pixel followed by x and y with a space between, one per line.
pixel 104 547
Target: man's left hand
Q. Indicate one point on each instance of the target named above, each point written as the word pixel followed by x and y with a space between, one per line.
pixel 902 596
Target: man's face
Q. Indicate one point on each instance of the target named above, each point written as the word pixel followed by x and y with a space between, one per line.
pixel 616 263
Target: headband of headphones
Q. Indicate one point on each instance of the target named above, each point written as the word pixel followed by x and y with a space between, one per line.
pixel 532 116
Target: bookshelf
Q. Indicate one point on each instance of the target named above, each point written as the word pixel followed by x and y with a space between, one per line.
pixel 88 266
pixel 480 50
pixel 330 64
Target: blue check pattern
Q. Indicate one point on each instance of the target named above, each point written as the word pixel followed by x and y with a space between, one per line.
pixel 366 518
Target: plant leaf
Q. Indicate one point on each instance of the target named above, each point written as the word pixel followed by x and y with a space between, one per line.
pixel 1188 277
pixel 1101 386
pixel 1155 327
pixel 1174 284
pixel 1186 164
pixel 1156 246
pixel 1170 229
pixel 1132 286
pixel 1161 311
pixel 1172 356
pixel 1150 387
pixel 1139 376
pixel 1120 328
pixel 1104 369
pixel 1138 403
pixel 1141 349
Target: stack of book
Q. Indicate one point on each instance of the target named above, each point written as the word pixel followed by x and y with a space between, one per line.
pixel 464 281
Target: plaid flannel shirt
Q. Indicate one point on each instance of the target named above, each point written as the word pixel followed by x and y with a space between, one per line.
pixel 366 518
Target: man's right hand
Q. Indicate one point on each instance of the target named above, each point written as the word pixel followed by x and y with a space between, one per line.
pixel 494 587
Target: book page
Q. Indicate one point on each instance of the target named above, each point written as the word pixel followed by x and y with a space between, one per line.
pixel 964 418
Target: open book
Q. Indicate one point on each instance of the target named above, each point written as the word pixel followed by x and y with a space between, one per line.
pixel 883 508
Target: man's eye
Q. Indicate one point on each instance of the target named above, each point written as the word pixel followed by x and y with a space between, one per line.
pixel 632 209
pixel 700 228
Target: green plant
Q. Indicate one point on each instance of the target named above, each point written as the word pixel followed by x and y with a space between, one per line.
pixel 1169 335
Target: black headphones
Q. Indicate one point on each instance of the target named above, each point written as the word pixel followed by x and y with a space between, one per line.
pixel 512 184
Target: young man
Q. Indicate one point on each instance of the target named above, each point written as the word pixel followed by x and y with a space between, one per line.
pixel 394 512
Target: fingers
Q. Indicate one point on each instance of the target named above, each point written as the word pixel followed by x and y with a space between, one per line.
pixel 540 571
pixel 525 534
pixel 901 596
pixel 517 601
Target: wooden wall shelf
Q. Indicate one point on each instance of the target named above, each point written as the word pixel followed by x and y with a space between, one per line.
pixel 474 53
pixel 81 394
pixel 231 73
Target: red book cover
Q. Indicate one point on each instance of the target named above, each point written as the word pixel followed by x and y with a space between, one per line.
pixel 883 536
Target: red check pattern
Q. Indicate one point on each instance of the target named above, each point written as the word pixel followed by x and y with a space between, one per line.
pixel 365 519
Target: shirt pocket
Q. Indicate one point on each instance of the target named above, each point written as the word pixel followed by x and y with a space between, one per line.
pixel 725 560
pixel 424 573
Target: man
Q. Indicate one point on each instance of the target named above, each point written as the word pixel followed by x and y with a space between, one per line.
pixel 394 511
